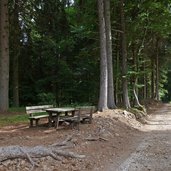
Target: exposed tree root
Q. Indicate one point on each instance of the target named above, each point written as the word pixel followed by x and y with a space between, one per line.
pixel 63 143
pixel 12 152
pixel 55 151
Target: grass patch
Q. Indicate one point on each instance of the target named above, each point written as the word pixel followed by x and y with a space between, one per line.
pixel 10 120
pixel 17 109
pixel 13 116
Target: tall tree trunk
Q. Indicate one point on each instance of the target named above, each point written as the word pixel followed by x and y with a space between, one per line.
pixel 117 83
pixel 4 56
pixel 137 103
pixel 124 58
pixel 15 44
pixel 145 83
pixel 152 78
pixel 111 101
pixel 157 71
pixel 102 105
pixel 135 76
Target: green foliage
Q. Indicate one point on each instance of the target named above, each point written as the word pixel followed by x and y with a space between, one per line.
pixel 59 49
pixel 46 98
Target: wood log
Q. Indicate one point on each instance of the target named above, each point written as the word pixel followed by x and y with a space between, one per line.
pixel 24 152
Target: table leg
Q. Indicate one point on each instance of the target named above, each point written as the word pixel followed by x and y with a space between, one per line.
pixel 73 113
pixel 56 122
pixel 50 120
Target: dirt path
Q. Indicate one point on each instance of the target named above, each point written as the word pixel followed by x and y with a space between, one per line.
pixel 153 153
pixel 126 145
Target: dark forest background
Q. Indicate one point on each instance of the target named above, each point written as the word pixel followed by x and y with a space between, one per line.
pixel 54 51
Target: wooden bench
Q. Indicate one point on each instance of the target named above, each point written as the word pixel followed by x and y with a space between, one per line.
pixel 36 113
pixel 82 114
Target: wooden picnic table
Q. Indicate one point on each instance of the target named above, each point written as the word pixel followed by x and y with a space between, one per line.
pixel 56 113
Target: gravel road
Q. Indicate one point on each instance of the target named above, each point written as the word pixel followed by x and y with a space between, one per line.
pixel 153 153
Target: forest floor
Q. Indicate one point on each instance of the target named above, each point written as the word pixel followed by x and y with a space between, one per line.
pixel 112 141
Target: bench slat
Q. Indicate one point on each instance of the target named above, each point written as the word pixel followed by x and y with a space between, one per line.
pixel 38 117
pixel 37 109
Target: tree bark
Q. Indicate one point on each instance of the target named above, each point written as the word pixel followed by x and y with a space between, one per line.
pixel 145 83
pixel 15 44
pixel 102 105
pixel 111 100
pixel 4 56
pixel 137 103
pixel 117 82
pixel 135 77
pixel 152 78
pixel 157 71
pixel 124 58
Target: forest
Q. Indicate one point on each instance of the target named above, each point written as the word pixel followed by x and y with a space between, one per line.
pixel 110 54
